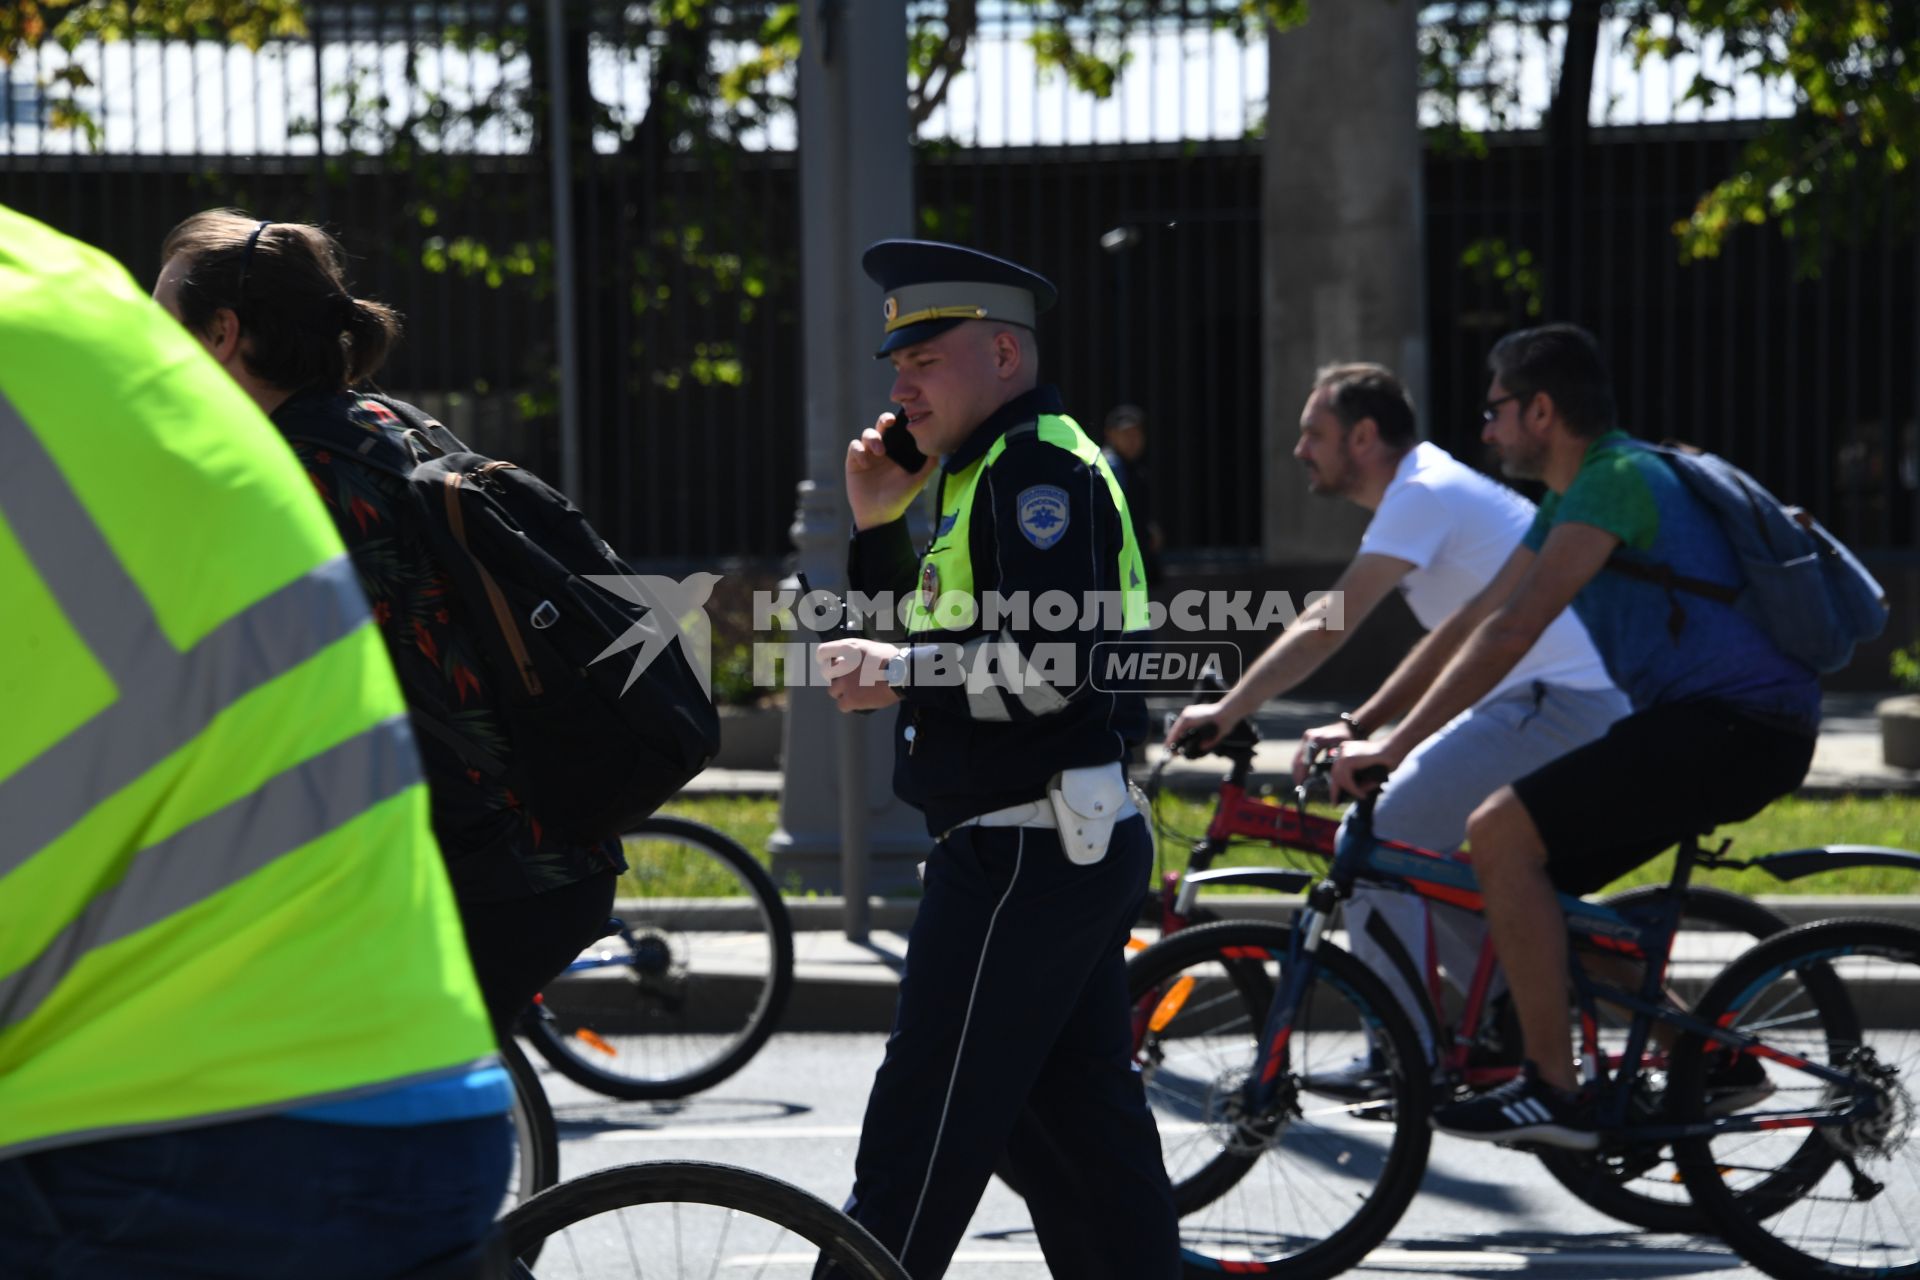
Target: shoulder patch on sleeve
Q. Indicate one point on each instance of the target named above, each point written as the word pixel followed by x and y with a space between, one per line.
pixel 1044 514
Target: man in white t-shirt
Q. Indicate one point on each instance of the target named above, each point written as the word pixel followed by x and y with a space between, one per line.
pixel 1439 533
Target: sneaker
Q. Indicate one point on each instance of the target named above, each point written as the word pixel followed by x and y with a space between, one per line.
pixel 1736 1084
pixel 1362 1080
pixel 1525 1109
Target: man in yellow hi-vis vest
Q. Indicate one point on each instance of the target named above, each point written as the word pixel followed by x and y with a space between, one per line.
pixel 239 1033
pixel 1012 1036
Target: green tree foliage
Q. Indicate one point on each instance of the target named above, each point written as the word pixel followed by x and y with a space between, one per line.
pixel 61 26
pixel 25 24
pixel 1840 162
pixel 1823 176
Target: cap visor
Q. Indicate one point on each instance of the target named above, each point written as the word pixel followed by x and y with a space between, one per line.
pixel 911 334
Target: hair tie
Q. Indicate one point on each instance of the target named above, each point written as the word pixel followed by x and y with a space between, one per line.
pixel 246 256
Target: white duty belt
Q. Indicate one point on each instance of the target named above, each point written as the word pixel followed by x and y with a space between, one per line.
pixel 1081 804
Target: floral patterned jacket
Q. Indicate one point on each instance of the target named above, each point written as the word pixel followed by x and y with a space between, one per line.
pixel 495 847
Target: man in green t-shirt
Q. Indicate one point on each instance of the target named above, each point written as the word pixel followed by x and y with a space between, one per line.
pixel 1721 716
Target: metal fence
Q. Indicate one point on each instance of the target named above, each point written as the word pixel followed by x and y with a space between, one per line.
pixel 421 133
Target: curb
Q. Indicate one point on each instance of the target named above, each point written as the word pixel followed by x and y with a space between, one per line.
pixel 857 993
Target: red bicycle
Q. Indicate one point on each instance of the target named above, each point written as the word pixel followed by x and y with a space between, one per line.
pixel 1474 1037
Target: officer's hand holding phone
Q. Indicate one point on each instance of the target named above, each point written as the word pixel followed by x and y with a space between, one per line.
pixel 885 471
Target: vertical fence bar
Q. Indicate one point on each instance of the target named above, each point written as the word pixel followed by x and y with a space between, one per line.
pixel 1889 486
pixel 560 121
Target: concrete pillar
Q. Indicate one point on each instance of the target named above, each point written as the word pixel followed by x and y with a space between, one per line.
pixel 1342 240
pixel 855 187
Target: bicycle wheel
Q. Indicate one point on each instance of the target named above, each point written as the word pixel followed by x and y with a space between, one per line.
pixel 692 984
pixel 536 1143
pixel 1829 1201
pixel 1311 1184
pixel 1638 1183
pixel 685 1218
pixel 1146 928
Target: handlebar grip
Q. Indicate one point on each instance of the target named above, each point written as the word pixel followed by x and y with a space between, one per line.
pixel 1319 779
pixel 1190 744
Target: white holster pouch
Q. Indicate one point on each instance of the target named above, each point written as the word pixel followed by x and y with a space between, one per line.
pixel 1086 803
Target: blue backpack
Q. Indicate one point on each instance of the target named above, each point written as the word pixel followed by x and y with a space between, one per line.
pixel 1811 595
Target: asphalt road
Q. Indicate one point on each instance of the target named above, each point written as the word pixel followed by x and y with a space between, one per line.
pixel 795 1112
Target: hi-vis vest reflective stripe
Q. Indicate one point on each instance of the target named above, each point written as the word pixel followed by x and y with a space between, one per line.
pixel 948 564
pixel 219 895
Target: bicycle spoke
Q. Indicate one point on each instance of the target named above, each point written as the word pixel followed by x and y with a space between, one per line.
pixel 1312 1181
pixel 691 983
pixel 1841 1199
pixel 681 1219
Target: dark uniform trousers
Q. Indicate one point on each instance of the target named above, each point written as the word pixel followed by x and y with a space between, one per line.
pixel 1013 1034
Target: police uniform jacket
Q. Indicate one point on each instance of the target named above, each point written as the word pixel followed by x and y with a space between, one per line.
pixel 960 752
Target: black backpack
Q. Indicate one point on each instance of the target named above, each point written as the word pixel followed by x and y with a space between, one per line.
pixel 599 740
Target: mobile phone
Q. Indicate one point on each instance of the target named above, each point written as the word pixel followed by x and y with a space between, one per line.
pixel 899 442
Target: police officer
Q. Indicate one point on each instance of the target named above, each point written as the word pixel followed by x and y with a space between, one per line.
pixel 1012 1033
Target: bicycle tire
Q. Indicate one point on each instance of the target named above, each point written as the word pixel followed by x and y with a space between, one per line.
pixel 1149 915
pixel 695 1182
pixel 1625 1184
pixel 644 1065
pixel 536 1139
pixel 1782 1222
pixel 1334 1142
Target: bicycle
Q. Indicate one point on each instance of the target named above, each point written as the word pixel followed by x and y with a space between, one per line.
pixel 1475 1047
pixel 1236 1020
pixel 690 980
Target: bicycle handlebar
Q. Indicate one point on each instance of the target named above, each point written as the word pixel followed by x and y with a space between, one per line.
pixel 1319 777
pixel 1240 741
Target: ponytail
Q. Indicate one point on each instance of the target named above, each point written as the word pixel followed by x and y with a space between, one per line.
pixel 286 282
pixel 371 330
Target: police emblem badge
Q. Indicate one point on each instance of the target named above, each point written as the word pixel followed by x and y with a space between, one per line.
pixel 1043 513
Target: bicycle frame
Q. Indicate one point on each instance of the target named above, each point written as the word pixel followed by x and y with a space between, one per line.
pixel 605 959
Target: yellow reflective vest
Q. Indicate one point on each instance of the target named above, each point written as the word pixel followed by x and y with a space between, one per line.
pixel 219 895
pixel 948 565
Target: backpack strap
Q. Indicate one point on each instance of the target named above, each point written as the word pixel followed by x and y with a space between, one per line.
pixel 420 437
pixel 496 599
pixel 419 424
pixel 1663 576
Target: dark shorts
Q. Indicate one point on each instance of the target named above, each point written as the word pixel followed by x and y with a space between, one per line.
pixel 1657 777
